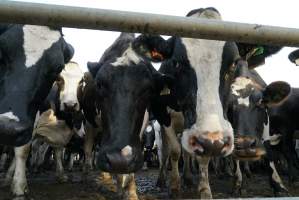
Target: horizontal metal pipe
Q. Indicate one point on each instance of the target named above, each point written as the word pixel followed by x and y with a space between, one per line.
pixel 114 20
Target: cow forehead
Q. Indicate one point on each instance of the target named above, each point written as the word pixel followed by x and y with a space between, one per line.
pixel 37 39
pixel 239 84
pixel 128 57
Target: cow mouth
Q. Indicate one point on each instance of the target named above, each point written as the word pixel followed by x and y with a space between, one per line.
pixel 249 154
pixel 14 133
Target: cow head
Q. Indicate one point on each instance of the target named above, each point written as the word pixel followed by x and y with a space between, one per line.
pixel 250 98
pixel 293 57
pixel 31 59
pixel 126 83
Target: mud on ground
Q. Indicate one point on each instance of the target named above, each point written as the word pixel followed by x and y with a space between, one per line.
pixel 45 187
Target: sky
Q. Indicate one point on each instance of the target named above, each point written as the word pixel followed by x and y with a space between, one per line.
pixel 90 44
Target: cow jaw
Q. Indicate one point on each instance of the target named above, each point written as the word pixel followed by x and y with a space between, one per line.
pixel 205 56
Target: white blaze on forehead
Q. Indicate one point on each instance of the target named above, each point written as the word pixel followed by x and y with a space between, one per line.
pixel 126 151
pixel 205 56
pixel 72 75
pixel 129 56
pixel 37 39
pixel 9 116
pixel 240 84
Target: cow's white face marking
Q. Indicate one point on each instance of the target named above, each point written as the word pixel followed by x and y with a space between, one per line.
pixel 72 75
pixel 37 39
pixel 205 56
pixel 127 151
pixel 243 101
pixel 9 116
pixel 275 175
pixel 240 84
pixel 129 56
pixel 297 61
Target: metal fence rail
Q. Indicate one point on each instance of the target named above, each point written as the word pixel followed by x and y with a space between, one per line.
pixel 113 20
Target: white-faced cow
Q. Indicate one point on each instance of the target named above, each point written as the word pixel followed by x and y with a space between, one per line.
pixel 200 68
pixel 250 101
pixel 126 85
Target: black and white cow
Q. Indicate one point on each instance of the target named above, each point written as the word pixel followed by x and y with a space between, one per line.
pixel 283 123
pixel 250 101
pixel 127 84
pixel 202 72
pixel 31 57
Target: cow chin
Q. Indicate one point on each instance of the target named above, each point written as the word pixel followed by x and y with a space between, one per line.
pixel 249 154
pixel 203 143
pixel 124 161
pixel 15 133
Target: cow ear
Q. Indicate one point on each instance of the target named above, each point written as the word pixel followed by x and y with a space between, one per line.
pixel 68 53
pixel 93 68
pixel 152 47
pixel 276 93
pixel 294 57
pixel 256 54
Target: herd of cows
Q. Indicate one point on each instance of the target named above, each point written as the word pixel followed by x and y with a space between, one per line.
pixel 207 92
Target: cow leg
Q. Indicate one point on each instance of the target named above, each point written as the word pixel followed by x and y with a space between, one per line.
pixel 9 173
pixel 237 190
pixel 126 187
pixel 61 177
pixel 187 176
pixel 19 183
pixel 175 153
pixel 247 169
pixel 3 161
pixel 88 145
pixel 71 161
pixel 204 186
pixel 161 181
pixel 276 182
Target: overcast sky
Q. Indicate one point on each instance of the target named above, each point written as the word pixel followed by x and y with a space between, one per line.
pixel 90 44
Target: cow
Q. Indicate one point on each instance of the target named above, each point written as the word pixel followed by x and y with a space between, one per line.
pixel 31 57
pixel 283 125
pixel 152 144
pixel 250 101
pixel 126 84
pixel 200 95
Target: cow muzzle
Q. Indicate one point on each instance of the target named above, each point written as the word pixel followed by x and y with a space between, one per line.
pixel 14 133
pixel 247 148
pixel 123 161
pixel 208 143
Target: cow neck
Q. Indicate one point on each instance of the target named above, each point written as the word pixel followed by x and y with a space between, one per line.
pixel 205 57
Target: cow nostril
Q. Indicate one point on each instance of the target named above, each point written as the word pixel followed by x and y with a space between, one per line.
pixel 75 105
